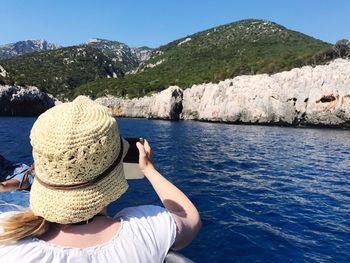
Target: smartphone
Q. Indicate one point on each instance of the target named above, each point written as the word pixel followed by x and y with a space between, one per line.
pixel 131 160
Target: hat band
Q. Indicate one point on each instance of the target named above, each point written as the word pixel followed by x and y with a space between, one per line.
pixel 88 183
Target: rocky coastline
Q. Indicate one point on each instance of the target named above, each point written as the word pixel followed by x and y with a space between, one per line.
pixel 166 105
pixel 24 101
pixel 307 96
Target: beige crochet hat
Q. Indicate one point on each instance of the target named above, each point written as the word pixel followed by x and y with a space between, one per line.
pixel 77 155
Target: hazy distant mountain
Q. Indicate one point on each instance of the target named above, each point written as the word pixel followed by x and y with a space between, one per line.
pixel 24 47
pixel 117 51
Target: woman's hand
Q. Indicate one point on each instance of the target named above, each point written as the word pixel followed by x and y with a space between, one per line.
pixel 145 155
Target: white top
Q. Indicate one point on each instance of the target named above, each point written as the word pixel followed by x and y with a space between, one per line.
pixel 146 234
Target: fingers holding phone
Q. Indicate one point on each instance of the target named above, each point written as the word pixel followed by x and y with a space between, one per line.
pixel 146 154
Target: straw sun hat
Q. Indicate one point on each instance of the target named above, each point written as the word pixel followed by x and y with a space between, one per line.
pixel 78 161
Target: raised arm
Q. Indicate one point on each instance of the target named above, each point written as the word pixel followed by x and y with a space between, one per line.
pixel 185 214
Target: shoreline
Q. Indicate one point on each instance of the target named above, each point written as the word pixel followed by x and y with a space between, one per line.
pixel 307 126
pixel 306 96
pixel 302 97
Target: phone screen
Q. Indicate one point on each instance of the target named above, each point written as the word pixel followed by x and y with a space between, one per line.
pixel 131 160
pixel 133 153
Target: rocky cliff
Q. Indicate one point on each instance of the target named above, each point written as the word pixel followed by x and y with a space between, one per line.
pixel 303 96
pixel 19 101
pixel 129 57
pixel 313 96
pixel 166 104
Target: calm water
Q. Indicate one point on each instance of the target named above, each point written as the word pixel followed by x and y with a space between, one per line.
pixel 266 194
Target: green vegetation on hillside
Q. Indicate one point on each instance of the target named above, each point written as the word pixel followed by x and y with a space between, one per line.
pixel 59 71
pixel 244 47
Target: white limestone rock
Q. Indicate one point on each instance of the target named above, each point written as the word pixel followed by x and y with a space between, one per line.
pixel 3 72
pixel 166 104
pixel 315 96
pixel 302 96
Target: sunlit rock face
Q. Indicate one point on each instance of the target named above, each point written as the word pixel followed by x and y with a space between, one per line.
pixel 303 96
pixel 166 104
pixel 314 96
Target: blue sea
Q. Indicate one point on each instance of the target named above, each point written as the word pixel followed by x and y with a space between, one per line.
pixel 265 194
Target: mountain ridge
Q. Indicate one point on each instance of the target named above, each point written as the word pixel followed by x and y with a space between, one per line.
pixel 26 46
pixel 243 47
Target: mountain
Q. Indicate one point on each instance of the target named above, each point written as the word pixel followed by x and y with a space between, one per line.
pixel 117 51
pixel 24 47
pixel 244 47
pixel 102 67
pixel 59 71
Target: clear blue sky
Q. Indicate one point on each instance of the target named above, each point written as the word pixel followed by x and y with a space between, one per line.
pixel 157 22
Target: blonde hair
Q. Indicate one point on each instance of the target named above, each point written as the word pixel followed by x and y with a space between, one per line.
pixel 23 225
